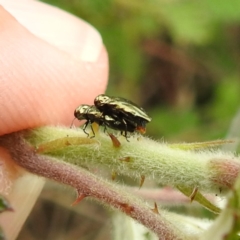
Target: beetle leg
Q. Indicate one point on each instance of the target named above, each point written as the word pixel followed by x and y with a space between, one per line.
pixel 126 136
pixel 84 128
pixel 92 132
pixel 125 132
pixel 105 128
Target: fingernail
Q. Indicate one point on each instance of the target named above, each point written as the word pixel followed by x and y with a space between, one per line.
pixel 57 27
pixel 92 45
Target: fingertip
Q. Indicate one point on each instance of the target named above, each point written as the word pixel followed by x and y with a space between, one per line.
pixel 59 28
pixel 42 84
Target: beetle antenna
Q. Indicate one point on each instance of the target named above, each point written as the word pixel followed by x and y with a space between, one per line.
pixel 72 122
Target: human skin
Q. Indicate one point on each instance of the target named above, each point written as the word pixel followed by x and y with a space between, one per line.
pixel 50 63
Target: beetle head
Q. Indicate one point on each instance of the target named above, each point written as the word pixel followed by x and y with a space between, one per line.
pixel 101 100
pixel 81 111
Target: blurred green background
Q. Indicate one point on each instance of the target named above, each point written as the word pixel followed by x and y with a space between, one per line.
pixel 178 59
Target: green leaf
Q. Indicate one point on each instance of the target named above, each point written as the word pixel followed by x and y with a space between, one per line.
pixel 4 205
pixel 198 197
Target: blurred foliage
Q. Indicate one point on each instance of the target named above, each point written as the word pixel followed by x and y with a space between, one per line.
pixel 179 59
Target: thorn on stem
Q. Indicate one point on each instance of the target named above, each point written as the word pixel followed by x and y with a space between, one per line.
pixel 126 208
pixel 79 199
pixel 142 181
pixel 155 209
pixel 126 159
pixel 115 141
pixel 67 143
pixel 193 194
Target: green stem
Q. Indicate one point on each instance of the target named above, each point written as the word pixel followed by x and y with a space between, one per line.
pixel 207 170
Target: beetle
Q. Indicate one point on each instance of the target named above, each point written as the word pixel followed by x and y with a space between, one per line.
pixel 124 110
pixel 92 114
pixel 89 113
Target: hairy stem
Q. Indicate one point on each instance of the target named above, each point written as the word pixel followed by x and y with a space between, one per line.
pixel 88 184
pixel 184 165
